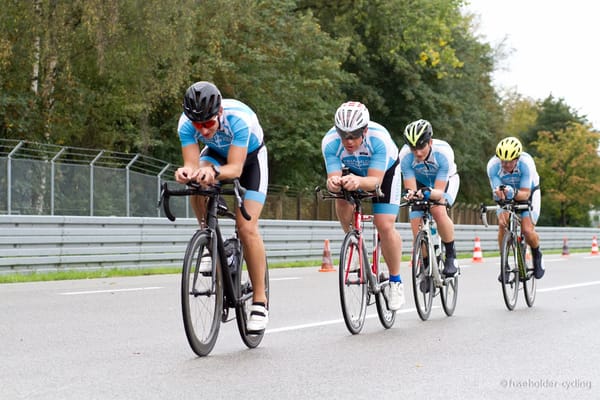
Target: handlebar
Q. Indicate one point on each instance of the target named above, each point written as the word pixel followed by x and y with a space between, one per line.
pixel 348 195
pixel 194 189
pixel 422 202
pixel 508 205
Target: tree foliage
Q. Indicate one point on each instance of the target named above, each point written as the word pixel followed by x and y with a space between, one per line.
pixel 568 165
pixel 110 74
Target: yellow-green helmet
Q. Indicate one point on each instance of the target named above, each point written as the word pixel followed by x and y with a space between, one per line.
pixel 509 149
pixel 418 133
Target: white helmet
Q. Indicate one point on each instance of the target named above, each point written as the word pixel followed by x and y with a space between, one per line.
pixel 351 116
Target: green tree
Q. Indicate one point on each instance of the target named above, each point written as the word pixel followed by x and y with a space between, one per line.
pixel 415 60
pixel 568 164
pixel 88 73
pixel 554 115
pixel 520 114
pixel 282 65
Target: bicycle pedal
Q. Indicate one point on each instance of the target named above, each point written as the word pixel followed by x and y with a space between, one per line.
pixel 370 300
pixel 246 287
pixel 225 314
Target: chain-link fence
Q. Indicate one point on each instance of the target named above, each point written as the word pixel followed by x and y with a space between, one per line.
pixel 43 179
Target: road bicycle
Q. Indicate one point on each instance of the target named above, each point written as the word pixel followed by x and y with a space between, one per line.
pixel 360 280
pixel 207 295
pixel 514 265
pixel 428 256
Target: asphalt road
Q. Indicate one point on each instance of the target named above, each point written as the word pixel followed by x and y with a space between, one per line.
pixel 122 338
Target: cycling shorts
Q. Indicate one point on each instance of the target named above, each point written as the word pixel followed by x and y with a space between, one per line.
pixel 255 174
pixel 449 194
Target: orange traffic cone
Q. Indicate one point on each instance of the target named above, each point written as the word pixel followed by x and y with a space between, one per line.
pixel 594 246
pixel 565 249
pixel 477 255
pixel 326 265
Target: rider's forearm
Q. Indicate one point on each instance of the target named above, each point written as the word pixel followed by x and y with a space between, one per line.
pixel 369 183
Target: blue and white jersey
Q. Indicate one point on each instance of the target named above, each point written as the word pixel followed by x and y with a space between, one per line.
pixel 439 164
pixel 523 176
pixel 377 151
pixel 238 126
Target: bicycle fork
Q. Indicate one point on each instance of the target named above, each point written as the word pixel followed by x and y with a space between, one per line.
pixel 521 254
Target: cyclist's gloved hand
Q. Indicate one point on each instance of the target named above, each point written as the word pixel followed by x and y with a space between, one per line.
pixel 410 194
pixel 509 192
pixel 426 192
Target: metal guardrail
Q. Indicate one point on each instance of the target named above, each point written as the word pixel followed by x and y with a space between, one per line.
pixel 29 243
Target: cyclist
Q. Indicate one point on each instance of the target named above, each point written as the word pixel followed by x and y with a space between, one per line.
pixel 367 150
pixel 430 172
pixel 233 147
pixel 513 175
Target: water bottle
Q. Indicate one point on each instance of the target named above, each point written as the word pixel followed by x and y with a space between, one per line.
pixel 436 242
pixel 232 252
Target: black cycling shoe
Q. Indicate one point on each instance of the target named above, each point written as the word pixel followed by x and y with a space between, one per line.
pixel 506 277
pixel 424 284
pixel 538 267
pixel 450 267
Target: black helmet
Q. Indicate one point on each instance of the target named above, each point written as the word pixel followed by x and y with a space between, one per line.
pixel 202 101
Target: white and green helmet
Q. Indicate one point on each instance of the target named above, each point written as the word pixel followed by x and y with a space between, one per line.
pixel 418 133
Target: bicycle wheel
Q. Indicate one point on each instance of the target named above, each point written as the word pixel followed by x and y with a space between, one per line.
pixel 242 310
pixel 353 283
pixel 529 283
pixel 201 296
pixel 382 277
pixel 422 280
pixel 449 292
pixel 509 271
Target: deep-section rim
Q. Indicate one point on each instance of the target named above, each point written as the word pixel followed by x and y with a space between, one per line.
pixel 201 313
pixel 509 277
pixel 242 310
pixel 387 317
pixel 423 301
pixel 354 319
pixel 450 284
pixel 529 285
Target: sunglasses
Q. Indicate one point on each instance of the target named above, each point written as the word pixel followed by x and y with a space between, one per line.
pixel 419 146
pixel 350 135
pixel 206 124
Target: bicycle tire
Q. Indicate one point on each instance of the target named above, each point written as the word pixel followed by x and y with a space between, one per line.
pixel 201 296
pixel 386 316
pixel 449 290
pixel 242 309
pixel 421 275
pixel 529 283
pixel 509 271
pixel 353 289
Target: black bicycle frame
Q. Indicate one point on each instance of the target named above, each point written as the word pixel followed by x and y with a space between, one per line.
pixel 212 225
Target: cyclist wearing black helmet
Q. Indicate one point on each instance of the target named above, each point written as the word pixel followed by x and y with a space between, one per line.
pixel 429 171
pixel 222 139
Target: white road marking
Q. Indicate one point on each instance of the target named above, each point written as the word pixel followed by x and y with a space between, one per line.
pixel 331 322
pixel 576 285
pixel 110 291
